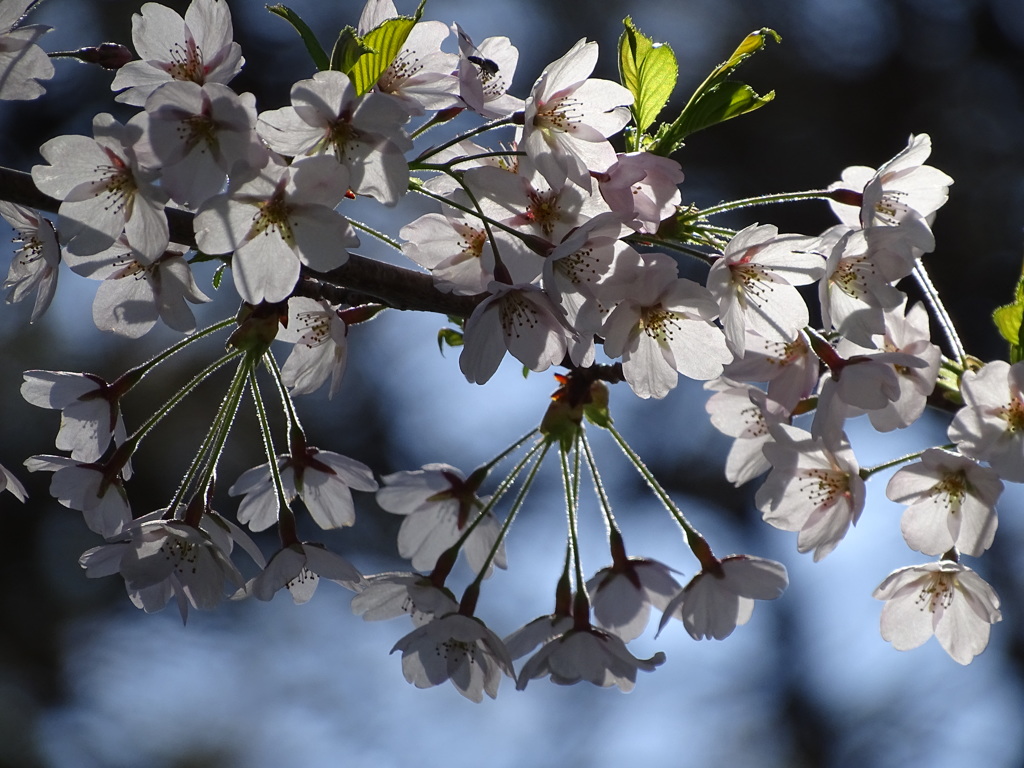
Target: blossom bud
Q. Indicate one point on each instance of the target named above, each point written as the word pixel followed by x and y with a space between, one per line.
pixel 107 55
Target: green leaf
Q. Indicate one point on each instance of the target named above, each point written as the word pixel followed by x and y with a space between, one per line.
pixel 718 98
pixel 649 70
pixel 385 43
pixel 312 44
pixel 347 51
pixel 448 337
pixel 218 276
pixel 1009 320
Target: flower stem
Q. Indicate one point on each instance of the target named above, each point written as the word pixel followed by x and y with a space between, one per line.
pixel 431 151
pixel 780 197
pixel 213 443
pixel 938 310
pixel 867 472
pixel 468 603
pixel 285 518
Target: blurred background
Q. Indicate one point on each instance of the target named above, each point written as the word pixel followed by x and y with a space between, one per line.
pixel 87 681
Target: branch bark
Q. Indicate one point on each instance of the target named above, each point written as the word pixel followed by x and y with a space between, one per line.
pixel 364 278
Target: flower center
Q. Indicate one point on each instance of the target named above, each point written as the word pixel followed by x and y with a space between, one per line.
pixel 936 593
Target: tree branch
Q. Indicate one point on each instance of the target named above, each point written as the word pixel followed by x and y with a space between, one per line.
pixel 369 279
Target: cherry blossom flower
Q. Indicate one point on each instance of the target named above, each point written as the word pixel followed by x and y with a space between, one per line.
pixel 854 293
pixel 906 332
pixel 23 64
pixel 589 654
pixel 103 189
pixel 164 558
pixel 320 339
pixel 719 599
pixel 89 489
pixel 299 568
pixel 322 479
pixel 622 595
pixel 90 410
pixel 537 632
pixel 438 504
pixel 754 283
pixel 746 413
pixel 990 426
pixel 813 488
pixel 420 76
pixel 485 73
pixel 944 598
pixel 569 116
pixel 951 503
pixel 8 482
pixel 197 48
pixel 136 292
pixel 364 133
pixel 276 221
pixel 520 319
pixel 902 193
pixel 36 263
pixel 526 201
pixel 664 326
pixel 455 248
pixel 790 368
pixel 643 189
pixel 390 595
pixel 196 134
pixel 457 648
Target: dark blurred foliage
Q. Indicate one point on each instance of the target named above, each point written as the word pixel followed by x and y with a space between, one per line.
pixel 853 80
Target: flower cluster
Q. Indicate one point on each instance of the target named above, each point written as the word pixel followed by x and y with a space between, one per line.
pixel 556 244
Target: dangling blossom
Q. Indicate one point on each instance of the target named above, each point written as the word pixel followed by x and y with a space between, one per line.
pixel 990 426
pixel 23 64
pixel 622 594
pixel 36 263
pixel 103 189
pixel 364 133
pixel 438 505
pixel 390 595
pixel 324 480
pixel 198 48
pixel 663 326
pixel 457 648
pixel 569 117
pixel 163 558
pixel 589 654
pixel 945 599
pixel 298 568
pixel 91 489
pixel 275 222
pixel 320 351
pixel 814 489
pixel 952 503
pixel 90 410
pixel 755 282
pixel 721 598
pixel 485 73
pixel 136 292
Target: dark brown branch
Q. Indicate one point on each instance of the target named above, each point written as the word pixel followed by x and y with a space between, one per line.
pixel 396 287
